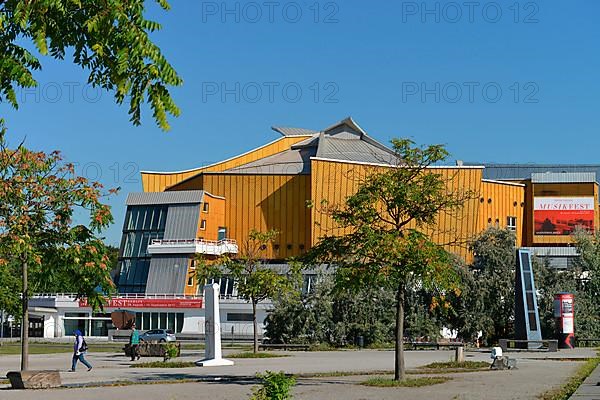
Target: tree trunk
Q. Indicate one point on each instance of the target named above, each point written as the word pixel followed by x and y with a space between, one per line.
pixel 25 322
pixel 399 370
pixel 255 326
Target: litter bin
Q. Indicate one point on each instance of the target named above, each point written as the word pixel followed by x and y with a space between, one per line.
pixel 360 341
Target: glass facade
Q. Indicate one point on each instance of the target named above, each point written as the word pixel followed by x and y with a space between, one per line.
pixel 227 286
pixel 159 320
pixel 142 225
pixel 96 325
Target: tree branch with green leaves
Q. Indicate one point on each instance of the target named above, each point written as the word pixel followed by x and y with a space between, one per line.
pixel 110 39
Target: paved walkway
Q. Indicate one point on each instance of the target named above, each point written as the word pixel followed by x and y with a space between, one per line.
pixel 590 388
pixel 537 373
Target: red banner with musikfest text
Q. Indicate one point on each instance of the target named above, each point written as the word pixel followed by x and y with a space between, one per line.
pixel 561 215
pixel 148 303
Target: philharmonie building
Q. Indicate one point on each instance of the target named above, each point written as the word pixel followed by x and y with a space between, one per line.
pixel 210 210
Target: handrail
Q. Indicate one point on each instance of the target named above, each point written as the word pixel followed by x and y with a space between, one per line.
pixel 123 296
pixel 192 241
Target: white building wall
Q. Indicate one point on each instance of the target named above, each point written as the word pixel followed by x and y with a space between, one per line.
pixel 193 322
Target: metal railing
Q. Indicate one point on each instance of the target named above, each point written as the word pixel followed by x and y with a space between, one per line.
pixel 73 296
pixel 178 242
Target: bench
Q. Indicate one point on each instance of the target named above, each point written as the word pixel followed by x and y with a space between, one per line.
pixel 550 345
pixel 147 349
pixel 588 341
pixel 435 345
pixel 284 346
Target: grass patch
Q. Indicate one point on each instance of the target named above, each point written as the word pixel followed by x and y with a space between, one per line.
pixel 472 365
pixel 164 364
pixel 412 382
pixel 338 374
pixel 13 348
pixel 565 391
pixel 250 354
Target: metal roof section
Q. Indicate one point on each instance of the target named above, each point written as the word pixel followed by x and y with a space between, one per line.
pixel 356 150
pixel 182 221
pixel 563 177
pixel 347 122
pixel 295 161
pixel 521 172
pixel 168 198
pixel 310 142
pixel 343 141
pixel 167 274
pixel 288 131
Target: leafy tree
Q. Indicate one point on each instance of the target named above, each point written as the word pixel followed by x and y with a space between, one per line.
pixel 468 314
pixel 388 222
pixel 550 281
pixel 38 196
pixel 9 293
pixel 256 281
pixel 423 312
pixel 494 286
pixel 108 38
pixel 327 315
pixel 586 274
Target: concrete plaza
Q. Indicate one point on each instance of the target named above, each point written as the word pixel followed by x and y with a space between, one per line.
pixel 536 373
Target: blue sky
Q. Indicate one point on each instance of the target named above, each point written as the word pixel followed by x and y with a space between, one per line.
pixel 495 81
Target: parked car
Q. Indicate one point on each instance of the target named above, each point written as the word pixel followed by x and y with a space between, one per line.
pixel 158 335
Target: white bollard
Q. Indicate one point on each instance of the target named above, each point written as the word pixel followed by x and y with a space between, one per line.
pixel 212 329
pixel 459 354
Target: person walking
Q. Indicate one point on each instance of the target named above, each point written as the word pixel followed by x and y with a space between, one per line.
pixel 79 350
pixel 134 343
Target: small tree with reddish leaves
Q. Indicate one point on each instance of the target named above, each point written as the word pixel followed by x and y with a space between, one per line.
pixel 38 196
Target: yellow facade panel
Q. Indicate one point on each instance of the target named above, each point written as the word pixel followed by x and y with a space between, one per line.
pixel 159 181
pixel 328 177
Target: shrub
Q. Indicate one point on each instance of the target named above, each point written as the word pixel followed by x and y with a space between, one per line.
pixel 275 386
pixel 171 351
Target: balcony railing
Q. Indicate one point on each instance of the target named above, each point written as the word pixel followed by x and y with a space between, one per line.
pixel 193 246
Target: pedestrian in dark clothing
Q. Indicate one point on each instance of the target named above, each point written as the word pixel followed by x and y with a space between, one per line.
pixel 134 343
pixel 79 350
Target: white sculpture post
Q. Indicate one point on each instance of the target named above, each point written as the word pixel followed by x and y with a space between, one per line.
pixel 212 329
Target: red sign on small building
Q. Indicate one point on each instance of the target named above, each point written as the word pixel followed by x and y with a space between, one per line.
pixel 148 303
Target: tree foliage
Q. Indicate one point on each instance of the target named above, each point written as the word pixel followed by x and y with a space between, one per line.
pixel 333 317
pixel 255 280
pixel 389 221
pixel 110 39
pixel 587 288
pixel 38 197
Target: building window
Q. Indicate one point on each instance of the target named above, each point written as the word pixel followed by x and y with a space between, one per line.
pixel 159 320
pixel 239 317
pixel 203 224
pixel 222 233
pixel 308 284
pixel 142 225
pixel 511 223
pixel 190 281
pixel 205 207
pixel 227 286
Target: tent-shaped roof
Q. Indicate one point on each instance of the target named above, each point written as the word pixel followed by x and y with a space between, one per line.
pixel 343 141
